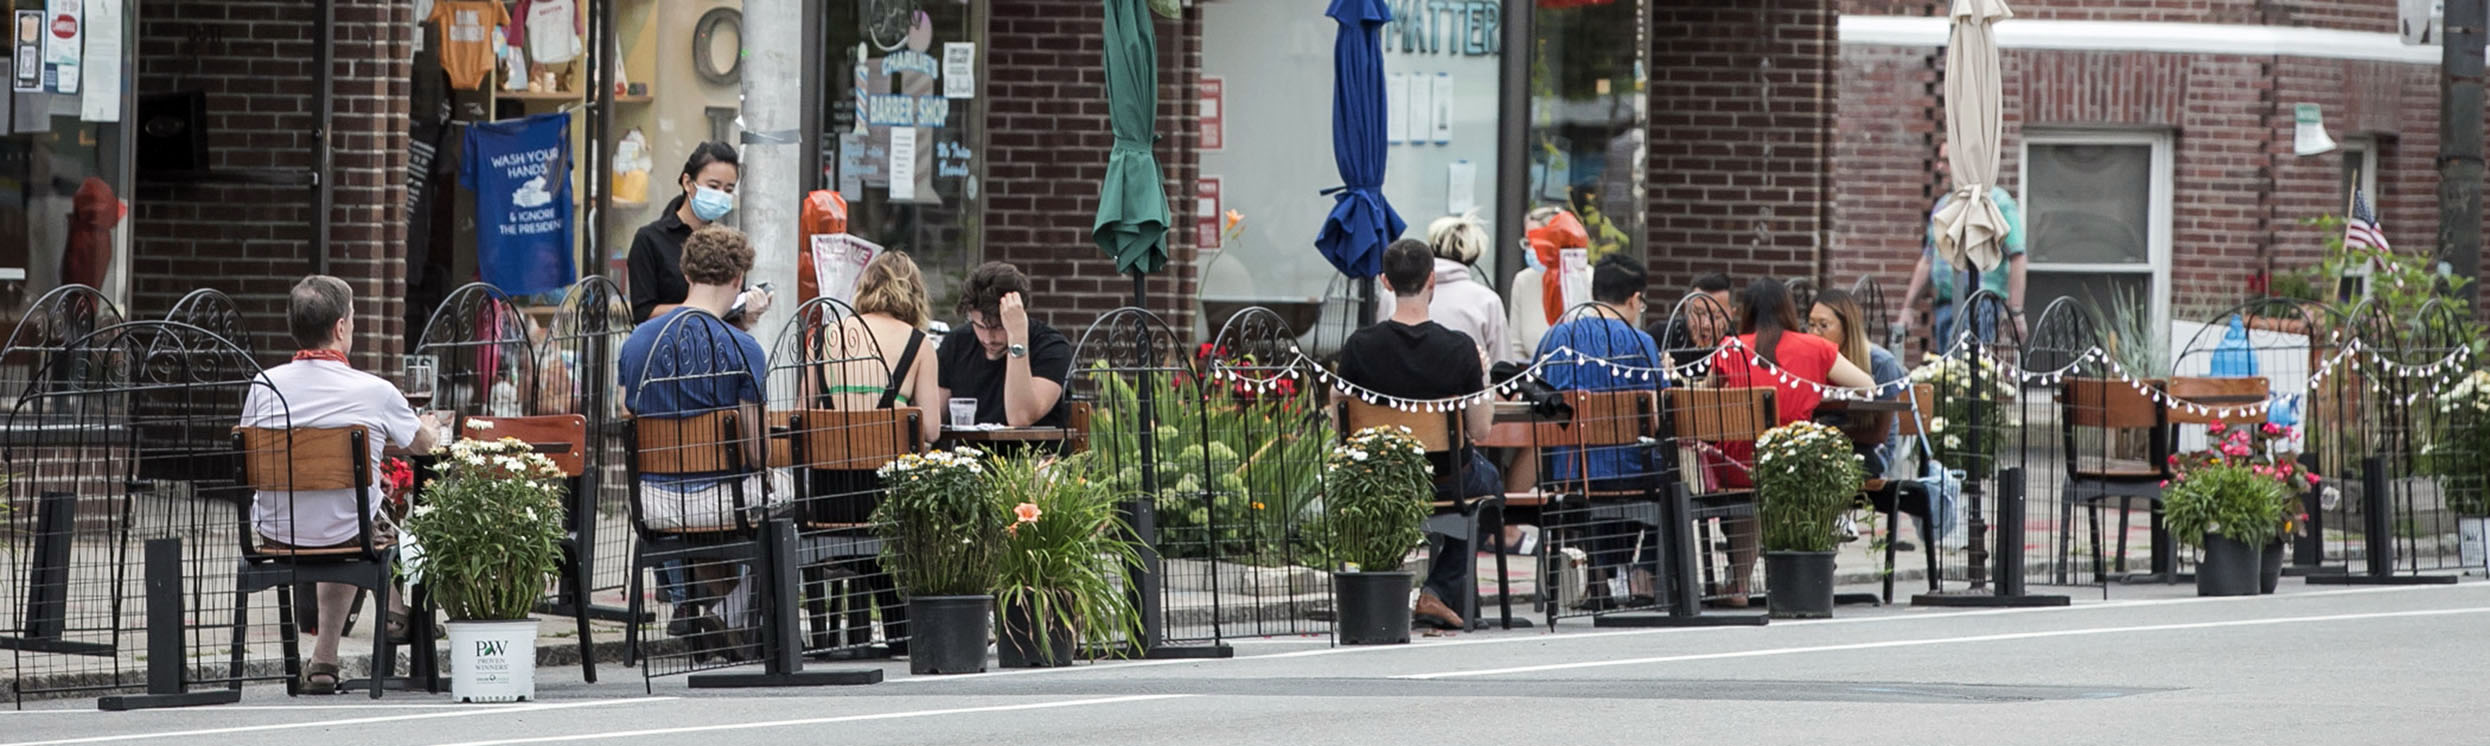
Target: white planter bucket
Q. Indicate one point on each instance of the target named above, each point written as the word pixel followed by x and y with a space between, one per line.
pixel 493 661
pixel 2473 542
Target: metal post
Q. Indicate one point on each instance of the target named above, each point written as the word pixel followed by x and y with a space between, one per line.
pixel 2377 523
pixel 2459 142
pixel 773 149
pixel 323 190
pixel 167 668
pixel 2009 553
pixel 1512 143
pixel 1685 604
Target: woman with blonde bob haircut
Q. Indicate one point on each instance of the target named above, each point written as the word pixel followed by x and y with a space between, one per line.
pixel 881 358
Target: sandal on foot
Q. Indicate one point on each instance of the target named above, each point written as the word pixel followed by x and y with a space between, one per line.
pixel 320 678
pixel 399 629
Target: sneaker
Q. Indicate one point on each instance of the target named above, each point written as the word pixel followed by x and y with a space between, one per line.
pixel 1847 529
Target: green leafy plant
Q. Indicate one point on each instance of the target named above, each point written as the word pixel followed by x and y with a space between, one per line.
pixel 1806 476
pixel 2255 446
pixel 2402 287
pixel 1064 552
pixel 2129 335
pixel 2230 500
pixel 2462 444
pixel 1235 480
pixel 1377 488
pixel 940 525
pixel 489 529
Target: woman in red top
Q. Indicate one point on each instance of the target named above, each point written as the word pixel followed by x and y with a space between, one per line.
pixel 1769 329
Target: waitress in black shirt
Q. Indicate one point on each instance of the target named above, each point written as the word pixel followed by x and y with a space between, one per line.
pixel 656 260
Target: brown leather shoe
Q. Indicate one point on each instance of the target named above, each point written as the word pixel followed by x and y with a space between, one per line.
pixel 1432 611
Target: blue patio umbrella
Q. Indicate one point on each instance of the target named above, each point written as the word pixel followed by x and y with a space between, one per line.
pixel 1361 221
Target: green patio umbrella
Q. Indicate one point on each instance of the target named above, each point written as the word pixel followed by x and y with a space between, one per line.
pixel 1132 201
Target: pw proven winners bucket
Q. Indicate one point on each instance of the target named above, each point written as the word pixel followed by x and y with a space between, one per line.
pixel 493 661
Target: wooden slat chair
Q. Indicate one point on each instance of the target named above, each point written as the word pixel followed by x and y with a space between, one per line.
pixel 2093 480
pixel 281 462
pixel 709 444
pixel 1714 416
pixel 1893 499
pixel 1440 433
pixel 564 439
pixel 1602 421
pixel 838 538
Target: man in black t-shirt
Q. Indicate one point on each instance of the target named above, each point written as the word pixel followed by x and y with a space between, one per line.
pixel 1411 357
pixel 1014 366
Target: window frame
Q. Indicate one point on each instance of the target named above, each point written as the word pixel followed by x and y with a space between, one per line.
pixel 2157 262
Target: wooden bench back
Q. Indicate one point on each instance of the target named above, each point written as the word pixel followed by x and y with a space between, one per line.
pixel 305 458
pixel 2107 403
pixel 1437 431
pixel 1610 418
pixel 2248 392
pixel 851 440
pixel 1923 400
pixel 1719 415
pixel 701 444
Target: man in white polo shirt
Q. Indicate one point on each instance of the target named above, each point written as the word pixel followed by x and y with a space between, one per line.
pixel 320 389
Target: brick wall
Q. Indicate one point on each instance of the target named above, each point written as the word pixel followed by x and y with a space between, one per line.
pixel 1046 149
pixel 254 58
pixel 1742 115
pixel 2239 192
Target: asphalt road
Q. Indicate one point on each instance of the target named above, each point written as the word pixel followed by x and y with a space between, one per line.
pixel 2362 666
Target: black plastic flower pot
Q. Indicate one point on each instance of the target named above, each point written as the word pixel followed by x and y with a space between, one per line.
pixel 2269 567
pixel 1799 585
pixel 1016 640
pixel 2230 568
pixel 1374 607
pixel 947 634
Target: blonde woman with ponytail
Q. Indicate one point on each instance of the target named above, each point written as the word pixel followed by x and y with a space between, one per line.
pixel 1462 302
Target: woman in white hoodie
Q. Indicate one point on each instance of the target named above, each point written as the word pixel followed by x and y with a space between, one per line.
pixel 1462 302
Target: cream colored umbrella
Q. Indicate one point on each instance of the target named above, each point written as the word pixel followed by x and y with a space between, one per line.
pixel 1970 230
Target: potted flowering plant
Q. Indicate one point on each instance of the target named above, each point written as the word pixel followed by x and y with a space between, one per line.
pixel 484 538
pixel 1061 572
pixel 2456 456
pixel 1959 410
pixel 1806 478
pixel 2252 484
pixel 941 531
pixel 1376 500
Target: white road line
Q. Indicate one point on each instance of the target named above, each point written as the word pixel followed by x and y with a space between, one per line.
pixel 242 708
pixel 826 720
pixel 1571 636
pixel 476 710
pixel 1944 641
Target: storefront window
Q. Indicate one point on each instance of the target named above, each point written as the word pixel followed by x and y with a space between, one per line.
pixel 1588 118
pixel 1266 141
pixel 64 169
pixel 902 128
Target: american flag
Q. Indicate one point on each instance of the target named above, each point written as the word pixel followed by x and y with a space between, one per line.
pixel 2361 229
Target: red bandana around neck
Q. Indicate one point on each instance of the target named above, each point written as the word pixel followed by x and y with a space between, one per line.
pixel 328 355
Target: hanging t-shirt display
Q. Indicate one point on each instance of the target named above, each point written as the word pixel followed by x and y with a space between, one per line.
pixel 549 30
pixel 467 38
pixel 519 171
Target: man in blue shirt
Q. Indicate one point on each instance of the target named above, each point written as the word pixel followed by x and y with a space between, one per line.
pixel 689 362
pixel 1940 278
pixel 1605 333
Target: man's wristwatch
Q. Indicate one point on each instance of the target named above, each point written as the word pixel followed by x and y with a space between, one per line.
pixel 1017 351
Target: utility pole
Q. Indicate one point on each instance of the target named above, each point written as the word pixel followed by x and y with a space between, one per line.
pixel 769 193
pixel 2459 143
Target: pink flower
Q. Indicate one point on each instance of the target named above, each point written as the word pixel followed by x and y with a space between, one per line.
pixel 2312 479
pixel 2217 425
pixel 2271 428
pixel 2165 483
pixel 1027 512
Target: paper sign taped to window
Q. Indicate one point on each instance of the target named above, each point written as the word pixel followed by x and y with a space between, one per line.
pixel 1575 278
pixel 838 258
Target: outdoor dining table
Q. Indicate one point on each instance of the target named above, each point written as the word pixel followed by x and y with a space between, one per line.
pixel 1006 434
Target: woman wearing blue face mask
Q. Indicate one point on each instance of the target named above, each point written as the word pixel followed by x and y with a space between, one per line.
pixel 656 259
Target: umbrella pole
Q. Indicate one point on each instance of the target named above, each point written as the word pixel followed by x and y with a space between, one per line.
pixel 1975 524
